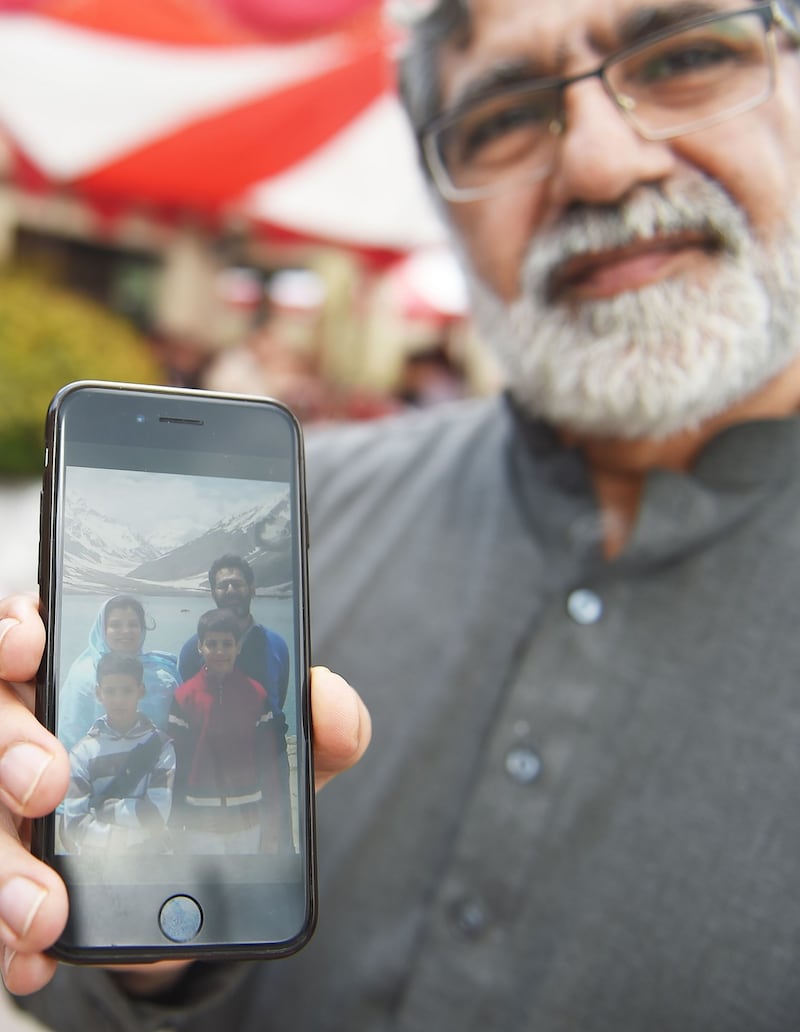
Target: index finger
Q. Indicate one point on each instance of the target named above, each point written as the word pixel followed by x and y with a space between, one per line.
pixel 21 637
pixel 31 784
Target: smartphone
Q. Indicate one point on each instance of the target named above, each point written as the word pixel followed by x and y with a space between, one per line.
pixel 174 588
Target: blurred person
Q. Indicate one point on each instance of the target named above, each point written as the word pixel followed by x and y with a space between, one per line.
pixel 267 365
pixel 184 361
pixel 572 608
pixel 428 376
pixel 280 357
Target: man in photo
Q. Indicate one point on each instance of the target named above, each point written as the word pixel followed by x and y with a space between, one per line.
pixel 263 653
pixel 228 796
pixel 122 770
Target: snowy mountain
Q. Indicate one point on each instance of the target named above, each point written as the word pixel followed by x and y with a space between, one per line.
pixel 261 534
pixel 97 550
pixel 101 553
pixel 172 534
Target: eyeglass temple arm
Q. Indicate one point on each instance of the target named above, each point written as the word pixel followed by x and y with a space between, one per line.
pixel 787 22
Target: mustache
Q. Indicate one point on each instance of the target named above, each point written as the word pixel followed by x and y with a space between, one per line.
pixel 701 211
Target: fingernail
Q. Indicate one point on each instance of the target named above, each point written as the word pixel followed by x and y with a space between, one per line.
pixel 21 769
pixel 20 900
pixel 6 625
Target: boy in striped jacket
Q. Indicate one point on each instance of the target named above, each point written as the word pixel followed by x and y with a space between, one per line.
pixel 122 771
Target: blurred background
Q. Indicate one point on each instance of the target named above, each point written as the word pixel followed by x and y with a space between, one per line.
pixel 213 193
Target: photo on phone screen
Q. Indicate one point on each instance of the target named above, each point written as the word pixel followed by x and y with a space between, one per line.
pixel 176 668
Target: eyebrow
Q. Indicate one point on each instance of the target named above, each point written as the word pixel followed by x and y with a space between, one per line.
pixel 634 27
pixel 644 21
pixel 510 72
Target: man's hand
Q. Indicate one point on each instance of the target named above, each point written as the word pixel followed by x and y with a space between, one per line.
pixel 34 776
pixel 342 725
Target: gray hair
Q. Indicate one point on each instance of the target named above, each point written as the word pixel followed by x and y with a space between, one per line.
pixel 420 88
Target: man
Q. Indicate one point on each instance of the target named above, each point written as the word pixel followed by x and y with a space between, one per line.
pixel 263 656
pixel 573 610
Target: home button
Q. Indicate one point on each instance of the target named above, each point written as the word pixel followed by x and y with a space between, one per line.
pixel 180 918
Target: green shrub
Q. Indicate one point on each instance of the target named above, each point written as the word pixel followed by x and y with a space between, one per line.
pixel 48 338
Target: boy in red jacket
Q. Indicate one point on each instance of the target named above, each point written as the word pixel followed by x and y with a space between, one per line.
pixel 226 783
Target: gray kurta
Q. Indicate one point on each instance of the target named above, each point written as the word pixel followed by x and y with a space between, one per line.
pixel 579 811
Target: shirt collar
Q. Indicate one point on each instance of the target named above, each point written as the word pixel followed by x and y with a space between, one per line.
pixel 734 473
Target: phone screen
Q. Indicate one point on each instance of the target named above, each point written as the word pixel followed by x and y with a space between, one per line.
pixel 176 672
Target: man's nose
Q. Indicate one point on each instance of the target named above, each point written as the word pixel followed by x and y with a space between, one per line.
pixel 601 157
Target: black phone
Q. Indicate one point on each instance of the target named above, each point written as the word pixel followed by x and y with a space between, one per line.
pixel 174 589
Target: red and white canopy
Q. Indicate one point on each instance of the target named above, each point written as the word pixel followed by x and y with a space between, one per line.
pixel 283 112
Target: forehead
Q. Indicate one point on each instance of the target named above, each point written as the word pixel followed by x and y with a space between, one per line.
pixel 219 638
pixel 554 36
pixel 122 613
pixel 229 573
pixel 119 682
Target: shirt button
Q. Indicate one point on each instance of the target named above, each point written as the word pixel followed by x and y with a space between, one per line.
pixel 471 917
pixel 584 606
pixel 523 766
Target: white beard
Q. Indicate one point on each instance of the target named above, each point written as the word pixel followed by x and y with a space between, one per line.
pixel 661 359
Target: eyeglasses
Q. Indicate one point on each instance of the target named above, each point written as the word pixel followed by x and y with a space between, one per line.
pixel 676 81
pixel 230 582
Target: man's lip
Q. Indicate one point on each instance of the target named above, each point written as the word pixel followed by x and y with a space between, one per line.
pixel 583 272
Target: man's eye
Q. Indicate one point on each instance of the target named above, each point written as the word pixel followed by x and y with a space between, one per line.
pixel 495 134
pixel 684 60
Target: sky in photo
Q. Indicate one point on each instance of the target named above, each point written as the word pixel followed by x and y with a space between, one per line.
pixel 151 502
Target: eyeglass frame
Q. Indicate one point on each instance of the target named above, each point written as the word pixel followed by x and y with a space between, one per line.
pixel 771 13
